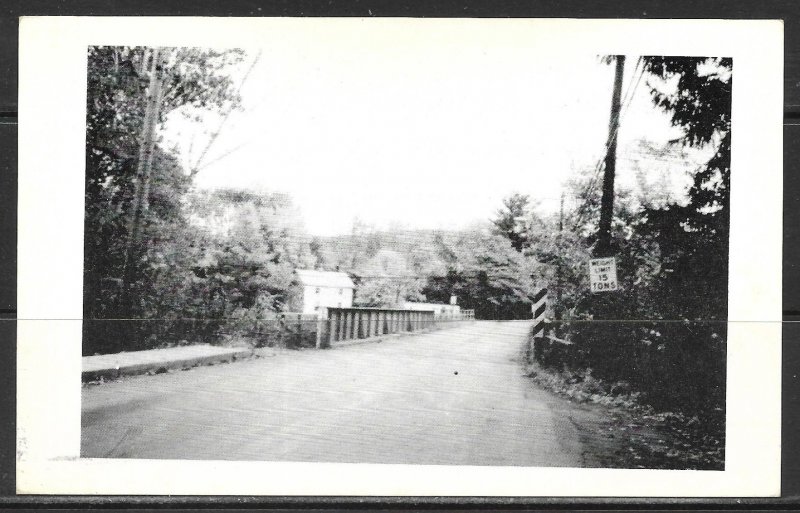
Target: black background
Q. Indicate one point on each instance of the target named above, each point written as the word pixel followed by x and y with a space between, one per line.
pixel 787 10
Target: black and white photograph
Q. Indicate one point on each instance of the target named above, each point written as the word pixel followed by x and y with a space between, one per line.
pixel 428 250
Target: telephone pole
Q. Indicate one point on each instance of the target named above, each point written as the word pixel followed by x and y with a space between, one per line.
pixel 603 248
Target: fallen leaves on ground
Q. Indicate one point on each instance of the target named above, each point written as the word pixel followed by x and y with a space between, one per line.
pixel 647 438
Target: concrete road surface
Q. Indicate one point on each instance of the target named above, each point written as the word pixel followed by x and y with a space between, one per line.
pixel 454 396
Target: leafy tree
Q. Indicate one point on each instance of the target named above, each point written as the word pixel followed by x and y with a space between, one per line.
pixel 318 251
pixel 487 274
pixel 252 245
pixel 510 220
pixel 194 80
pixel 672 262
pixel 387 280
pixel 696 92
pixel 693 238
pixel 672 256
pixel 560 258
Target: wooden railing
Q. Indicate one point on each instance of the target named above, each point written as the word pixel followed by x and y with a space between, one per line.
pixel 345 324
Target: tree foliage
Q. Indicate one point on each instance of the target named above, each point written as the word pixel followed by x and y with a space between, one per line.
pixel 486 273
pixel 696 92
pixel 117 78
pixel 693 238
pixel 510 221
pixel 388 280
pixel 667 338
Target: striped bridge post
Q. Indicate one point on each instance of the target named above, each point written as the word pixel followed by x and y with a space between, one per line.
pixel 539 307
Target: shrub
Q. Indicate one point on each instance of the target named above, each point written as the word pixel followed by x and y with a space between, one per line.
pixel 678 366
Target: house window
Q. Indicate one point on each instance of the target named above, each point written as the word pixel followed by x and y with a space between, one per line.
pixel 341 291
pixel 317 291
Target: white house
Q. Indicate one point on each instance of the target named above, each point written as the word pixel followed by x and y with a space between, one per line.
pixel 318 290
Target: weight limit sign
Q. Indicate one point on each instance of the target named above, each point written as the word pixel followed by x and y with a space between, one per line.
pixel 603 274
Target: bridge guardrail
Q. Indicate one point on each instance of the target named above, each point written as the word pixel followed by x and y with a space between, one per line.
pixel 355 323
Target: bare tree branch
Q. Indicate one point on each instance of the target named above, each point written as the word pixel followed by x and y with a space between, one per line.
pixel 196 168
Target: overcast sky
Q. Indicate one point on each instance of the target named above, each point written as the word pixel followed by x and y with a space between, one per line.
pixel 422 136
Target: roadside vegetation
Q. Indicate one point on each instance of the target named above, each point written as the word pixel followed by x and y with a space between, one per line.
pixel 658 346
pixel 637 434
pixel 176 265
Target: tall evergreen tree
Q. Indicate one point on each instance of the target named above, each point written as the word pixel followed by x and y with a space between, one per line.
pixel 693 238
pixel 511 220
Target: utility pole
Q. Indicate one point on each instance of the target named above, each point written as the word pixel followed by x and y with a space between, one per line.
pixel 603 248
pixel 143 166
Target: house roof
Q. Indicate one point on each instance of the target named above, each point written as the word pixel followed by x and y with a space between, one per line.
pixel 325 279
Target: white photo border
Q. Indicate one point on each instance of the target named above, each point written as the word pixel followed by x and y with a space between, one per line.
pixel 52 85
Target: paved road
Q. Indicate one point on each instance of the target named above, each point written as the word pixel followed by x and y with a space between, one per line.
pixel 455 396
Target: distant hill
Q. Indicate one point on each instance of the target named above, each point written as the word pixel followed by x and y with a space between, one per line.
pixel 423 250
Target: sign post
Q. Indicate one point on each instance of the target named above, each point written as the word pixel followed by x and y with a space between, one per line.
pixel 603 274
pixel 538 308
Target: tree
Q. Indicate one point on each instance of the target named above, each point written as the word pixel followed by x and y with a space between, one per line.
pixel 387 280
pixel 700 104
pixel 487 274
pixel 510 220
pixel 317 250
pixel 693 238
pixel 194 80
pixel 672 255
pixel 560 258
pixel 254 242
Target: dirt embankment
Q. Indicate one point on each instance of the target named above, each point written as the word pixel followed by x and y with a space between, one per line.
pixel 617 431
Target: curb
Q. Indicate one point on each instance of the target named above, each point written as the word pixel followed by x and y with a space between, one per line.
pixel 164 366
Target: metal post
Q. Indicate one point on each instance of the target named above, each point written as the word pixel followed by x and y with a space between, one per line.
pixel 539 308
